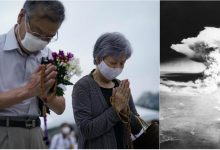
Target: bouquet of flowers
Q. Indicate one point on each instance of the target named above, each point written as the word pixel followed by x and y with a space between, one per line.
pixel 67 66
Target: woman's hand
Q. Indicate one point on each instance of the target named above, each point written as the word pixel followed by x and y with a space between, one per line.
pixel 121 95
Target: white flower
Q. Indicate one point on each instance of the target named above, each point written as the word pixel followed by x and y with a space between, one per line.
pixel 73 68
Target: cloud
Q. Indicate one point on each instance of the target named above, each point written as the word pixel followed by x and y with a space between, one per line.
pixel 198 47
pixel 188 88
pixel 204 48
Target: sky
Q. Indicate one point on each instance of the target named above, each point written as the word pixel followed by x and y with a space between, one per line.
pixel 87 20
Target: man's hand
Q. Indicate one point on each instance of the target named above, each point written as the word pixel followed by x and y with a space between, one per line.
pixel 34 84
pixel 49 74
pixel 33 89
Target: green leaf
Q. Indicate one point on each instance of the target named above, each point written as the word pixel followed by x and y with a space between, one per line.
pixel 59 91
pixel 66 82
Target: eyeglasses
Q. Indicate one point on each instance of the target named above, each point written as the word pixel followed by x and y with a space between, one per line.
pixel 46 38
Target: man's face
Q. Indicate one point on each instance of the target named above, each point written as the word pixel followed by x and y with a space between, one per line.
pixel 39 27
pixel 42 28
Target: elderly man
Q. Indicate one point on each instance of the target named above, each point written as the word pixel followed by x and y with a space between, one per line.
pixel 21 51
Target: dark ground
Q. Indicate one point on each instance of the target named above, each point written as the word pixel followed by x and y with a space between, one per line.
pixel 189 121
pixel 183 77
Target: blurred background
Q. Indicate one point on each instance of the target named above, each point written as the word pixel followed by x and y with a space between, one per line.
pixel 85 22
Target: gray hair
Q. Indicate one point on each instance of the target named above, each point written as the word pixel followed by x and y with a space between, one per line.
pixel 111 44
pixel 52 10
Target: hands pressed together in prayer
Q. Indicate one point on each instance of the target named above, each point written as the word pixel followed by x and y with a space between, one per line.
pixel 34 85
pixel 121 95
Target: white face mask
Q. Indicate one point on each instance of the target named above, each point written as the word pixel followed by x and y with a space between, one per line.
pixel 108 72
pixel 33 43
pixel 65 130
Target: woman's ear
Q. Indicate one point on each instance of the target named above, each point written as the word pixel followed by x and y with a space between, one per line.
pixel 97 61
pixel 21 16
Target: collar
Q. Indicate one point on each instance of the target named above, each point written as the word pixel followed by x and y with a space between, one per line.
pixel 11 41
pixel 116 81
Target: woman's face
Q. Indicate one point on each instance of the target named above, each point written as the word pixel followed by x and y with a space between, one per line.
pixel 115 63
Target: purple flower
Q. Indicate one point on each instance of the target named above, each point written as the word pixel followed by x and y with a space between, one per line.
pixel 54 54
pixel 61 53
pixel 69 56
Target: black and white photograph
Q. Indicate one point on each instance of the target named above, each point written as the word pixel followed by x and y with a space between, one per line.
pixel 189 74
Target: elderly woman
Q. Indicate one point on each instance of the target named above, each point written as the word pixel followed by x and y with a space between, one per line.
pixel 100 123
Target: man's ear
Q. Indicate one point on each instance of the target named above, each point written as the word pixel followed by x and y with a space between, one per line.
pixel 21 16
